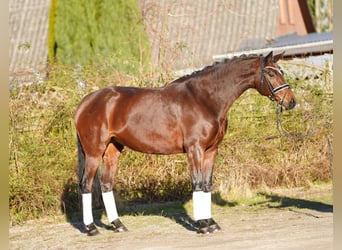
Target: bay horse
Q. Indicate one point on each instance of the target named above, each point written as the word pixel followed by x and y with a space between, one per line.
pixel 188 115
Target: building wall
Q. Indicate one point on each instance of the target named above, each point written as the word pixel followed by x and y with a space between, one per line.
pixel 294 17
pixel 187 33
pixel 28 28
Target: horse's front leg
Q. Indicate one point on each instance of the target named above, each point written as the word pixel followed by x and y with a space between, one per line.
pixel 201 165
pixel 111 160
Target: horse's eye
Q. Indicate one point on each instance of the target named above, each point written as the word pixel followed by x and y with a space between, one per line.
pixel 271 74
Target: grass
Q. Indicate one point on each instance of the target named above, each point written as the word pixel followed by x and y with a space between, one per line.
pixel 253 155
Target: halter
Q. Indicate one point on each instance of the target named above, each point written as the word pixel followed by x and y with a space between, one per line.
pixel 273 91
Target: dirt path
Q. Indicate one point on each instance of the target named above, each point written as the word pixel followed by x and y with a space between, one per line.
pixel 283 220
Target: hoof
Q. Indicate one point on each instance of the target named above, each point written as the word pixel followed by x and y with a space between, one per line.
pixel 92 230
pixel 207 226
pixel 118 227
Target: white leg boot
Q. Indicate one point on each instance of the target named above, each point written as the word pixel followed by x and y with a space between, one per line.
pixel 112 213
pixel 202 212
pixel 110 206
pixel 88 215
pixel 201 205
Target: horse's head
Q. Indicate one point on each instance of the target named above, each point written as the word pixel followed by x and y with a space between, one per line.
pixel 273 84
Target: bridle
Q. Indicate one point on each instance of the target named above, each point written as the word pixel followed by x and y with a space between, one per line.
pixel 272 90
pixel 272 96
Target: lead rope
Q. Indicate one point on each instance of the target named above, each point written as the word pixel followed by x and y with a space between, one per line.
pixel 283 132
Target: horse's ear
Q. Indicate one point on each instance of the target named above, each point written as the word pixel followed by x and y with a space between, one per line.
pixel 279 56
pixel 268 58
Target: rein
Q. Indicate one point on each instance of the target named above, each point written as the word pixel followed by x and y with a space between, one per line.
pixel 282 131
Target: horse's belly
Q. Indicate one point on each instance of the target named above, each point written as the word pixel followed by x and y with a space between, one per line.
pixel 154 142
pixel 151 148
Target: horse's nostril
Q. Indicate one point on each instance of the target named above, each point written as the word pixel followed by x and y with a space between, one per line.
pixel 292 104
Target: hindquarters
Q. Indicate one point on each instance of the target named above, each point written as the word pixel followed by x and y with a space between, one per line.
pixel 92 121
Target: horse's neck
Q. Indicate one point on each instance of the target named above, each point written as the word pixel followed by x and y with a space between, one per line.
pixel 229 82
pixel 235 84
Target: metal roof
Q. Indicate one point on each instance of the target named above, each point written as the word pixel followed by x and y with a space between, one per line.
pixel 292 44
pixel 293 39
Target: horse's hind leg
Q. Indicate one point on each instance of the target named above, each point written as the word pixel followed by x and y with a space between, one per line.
pixel 111 159
pixel 89 171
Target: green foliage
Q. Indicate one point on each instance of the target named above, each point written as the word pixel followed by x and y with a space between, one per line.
pixel 51 31
pixel 97 30
pixel 43 156
pixel 42 147
pixel 321 12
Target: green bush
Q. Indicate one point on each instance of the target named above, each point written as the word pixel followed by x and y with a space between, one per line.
pixel 88 31
pixel 43 156
pixel 51 32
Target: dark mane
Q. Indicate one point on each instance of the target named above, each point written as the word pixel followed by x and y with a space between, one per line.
pixel 212 68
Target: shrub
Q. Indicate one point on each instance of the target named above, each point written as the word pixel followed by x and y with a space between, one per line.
pixel 88 31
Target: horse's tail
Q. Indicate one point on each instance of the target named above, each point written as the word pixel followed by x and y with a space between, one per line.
pixel 81 162
pixel 81 168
